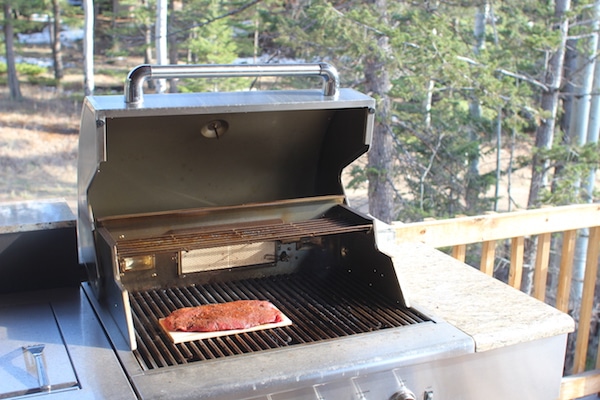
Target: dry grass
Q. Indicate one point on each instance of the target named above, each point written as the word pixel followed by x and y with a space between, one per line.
pixel 39 135
pixel 38 145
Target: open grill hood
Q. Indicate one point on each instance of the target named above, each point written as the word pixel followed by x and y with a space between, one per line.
pixel 212 150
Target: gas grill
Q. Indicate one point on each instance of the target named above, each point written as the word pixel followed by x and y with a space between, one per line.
pixel 203 198
pixel 200 198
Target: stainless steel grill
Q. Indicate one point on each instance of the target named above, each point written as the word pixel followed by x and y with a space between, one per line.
pixel 318 313
pixel 191 199
pixel 208 198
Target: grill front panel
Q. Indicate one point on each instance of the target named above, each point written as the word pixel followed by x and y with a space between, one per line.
pixel 318 311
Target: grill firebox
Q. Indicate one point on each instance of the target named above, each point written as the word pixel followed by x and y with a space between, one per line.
pixel 318 313
pixel 344 285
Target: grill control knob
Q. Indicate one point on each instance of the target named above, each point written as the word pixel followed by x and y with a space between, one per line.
pixel 403 394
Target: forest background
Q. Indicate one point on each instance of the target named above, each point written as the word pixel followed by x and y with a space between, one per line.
pixel 455 82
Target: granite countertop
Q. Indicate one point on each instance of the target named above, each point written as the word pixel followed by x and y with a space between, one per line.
pixel 35 215
pixel 492 313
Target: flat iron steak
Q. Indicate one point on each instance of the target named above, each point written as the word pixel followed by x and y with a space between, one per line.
pixel 239 314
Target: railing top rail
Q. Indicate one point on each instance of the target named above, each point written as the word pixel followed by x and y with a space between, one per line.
pixel 497 226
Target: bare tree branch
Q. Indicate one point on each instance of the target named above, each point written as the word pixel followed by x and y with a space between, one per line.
pixel 218 17
pixel 502 71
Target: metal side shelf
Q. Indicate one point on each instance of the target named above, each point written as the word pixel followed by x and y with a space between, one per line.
pixel 52 345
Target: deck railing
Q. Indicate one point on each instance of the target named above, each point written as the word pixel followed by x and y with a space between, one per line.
pixel 537 226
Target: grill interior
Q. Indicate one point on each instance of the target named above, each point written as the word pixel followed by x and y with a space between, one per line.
pixel 318 311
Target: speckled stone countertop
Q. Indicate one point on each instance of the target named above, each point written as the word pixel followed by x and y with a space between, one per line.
pixel 26 216
pixel 493 313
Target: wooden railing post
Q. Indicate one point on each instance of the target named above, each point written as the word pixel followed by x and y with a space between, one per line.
pixel 587 300
pixel 515 273
pixel 565 273
pixel 488 254
pixel 460 252
pixel 542 259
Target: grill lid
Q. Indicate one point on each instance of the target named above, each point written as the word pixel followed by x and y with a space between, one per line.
pixel 178 151
pixel 210 150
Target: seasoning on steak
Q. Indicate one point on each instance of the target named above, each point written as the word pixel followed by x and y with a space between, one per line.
pixel 240 314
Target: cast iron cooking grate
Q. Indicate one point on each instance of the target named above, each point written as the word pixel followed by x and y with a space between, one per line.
pixel 317 314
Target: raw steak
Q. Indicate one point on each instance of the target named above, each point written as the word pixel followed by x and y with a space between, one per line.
pixel 240 314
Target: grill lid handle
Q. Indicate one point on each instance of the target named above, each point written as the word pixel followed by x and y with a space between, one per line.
pixel 134 93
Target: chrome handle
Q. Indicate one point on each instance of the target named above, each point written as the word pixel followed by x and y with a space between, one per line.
pixel 36 351
pixel 42 375
pixel 134 93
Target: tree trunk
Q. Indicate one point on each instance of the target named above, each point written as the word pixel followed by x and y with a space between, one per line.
pixel 545 132
pixel 473 186
pixel 587 183
pixel 11 69
pixel 172 47
pixel 161 41
pixel 544 136
pixel 584 127
pixel 483 11
pixel 569 71
pixel 498 158
pixel 148 44
pixel 116 10
pixel 593 131
pixel 428 103
pixel 88 48
pixel 380 166
pixel 56 45
pixel 147 28
pixel 472 189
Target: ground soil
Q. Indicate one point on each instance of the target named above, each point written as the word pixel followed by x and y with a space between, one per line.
pixel 38 145
pixel 39 134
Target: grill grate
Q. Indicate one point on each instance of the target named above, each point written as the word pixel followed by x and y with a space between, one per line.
pixel 218 236
pixel 317 314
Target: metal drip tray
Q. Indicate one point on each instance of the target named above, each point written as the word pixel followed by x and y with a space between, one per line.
pixel 317 314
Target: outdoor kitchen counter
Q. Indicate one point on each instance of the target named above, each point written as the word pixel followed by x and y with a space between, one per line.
pixel 35 215
pixel 493 313
pixel 38 246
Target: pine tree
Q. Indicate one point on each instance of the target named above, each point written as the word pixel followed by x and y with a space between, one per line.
pixel 8 28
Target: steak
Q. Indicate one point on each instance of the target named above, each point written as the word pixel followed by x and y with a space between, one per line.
pixel 239 314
